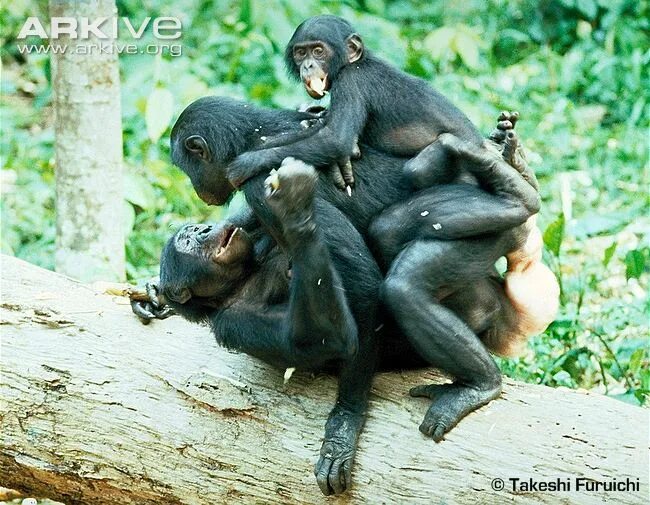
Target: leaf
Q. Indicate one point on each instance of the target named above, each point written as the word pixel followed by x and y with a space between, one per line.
pixel 635 361
pixel 158 113
pixel 609 253
pixel 138 190
pixel 467 48
pixel 554 234
pixel 634 264
pixel 594 224
pixel 439 41
pixel 128 217
pixel 588 8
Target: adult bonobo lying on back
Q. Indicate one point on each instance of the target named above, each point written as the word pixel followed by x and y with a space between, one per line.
pixel 321 316
pixel 212 131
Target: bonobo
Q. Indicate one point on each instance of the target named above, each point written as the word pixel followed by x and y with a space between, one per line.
pixel 372 102
pixel 323 316
pixel 212 131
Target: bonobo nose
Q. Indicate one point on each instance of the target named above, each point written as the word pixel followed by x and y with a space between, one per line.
pixel 201 232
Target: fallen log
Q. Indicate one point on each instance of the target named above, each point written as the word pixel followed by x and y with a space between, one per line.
pixel 100 409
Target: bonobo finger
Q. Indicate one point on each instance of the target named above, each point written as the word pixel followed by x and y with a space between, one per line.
pixel 420 391
pixel 514 117
pixel 347 473
pixel 510 149
pixel 497 135
pixel 322 471
pixel 143 310
pixel 151 288
pixel 164 312
pixel 346 171
pixel 356 151
pixel 503 115
pixel 337 177
pixel 423 391
pixel 336 477
pixel 505 125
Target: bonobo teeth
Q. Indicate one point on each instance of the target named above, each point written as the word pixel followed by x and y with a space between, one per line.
pixel 318 85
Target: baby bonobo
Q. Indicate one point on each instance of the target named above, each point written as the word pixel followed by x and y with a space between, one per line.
pixel 371 102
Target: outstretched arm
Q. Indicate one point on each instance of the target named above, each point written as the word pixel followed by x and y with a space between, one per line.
pixel 329 145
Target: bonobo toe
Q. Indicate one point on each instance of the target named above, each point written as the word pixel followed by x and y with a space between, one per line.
pixel 451 402
pixel 334 468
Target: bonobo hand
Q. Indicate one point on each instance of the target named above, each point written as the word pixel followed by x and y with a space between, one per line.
pixel 341 172
pixel 152 308
pixel 249 164
pixel 290 193
pixel 318 111
pixel 333 470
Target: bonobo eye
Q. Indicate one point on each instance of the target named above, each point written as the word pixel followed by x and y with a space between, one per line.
pixel 318 52
pixel 197 145
pixel 299 53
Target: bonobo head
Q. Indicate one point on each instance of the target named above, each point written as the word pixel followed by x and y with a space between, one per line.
pixel 202 265
pixel 319 48
pixel 212 131
pixel 207 136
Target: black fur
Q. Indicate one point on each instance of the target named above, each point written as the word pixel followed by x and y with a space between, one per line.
pixel 454 297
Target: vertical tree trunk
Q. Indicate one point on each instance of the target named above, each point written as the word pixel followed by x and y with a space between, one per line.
pixel 89 189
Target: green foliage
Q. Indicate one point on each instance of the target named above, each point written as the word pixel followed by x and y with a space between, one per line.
pixel 576 69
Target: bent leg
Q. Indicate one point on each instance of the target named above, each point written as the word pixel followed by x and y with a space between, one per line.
pixel 447 212
pixel 423 269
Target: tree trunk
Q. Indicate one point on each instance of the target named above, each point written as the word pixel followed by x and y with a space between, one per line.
pixel 89 194
pixel 100 409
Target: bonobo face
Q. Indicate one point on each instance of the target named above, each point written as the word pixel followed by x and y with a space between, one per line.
pixel 205 261
pixel 204 168
pixel 210 133
pixel 319 48
pixel 313 58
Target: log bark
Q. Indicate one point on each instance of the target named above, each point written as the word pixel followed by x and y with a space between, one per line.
pixel 88 128
pixel 100 409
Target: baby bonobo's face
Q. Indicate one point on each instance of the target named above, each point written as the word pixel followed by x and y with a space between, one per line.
pixel 313 58
pixel 206 261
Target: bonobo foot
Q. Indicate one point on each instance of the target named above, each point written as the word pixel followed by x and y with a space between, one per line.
pixel 290 194
pixel 451 403
pixel 333 470
pixel 151 308
pixel 508 143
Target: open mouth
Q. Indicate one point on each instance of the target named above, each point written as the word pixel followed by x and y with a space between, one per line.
pixel 225 240
pixel 317 86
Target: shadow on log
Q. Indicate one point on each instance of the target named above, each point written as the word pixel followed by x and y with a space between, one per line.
pixel 100 409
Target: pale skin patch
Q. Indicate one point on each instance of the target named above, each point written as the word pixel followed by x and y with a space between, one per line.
pixel 403 139
pixel 532 289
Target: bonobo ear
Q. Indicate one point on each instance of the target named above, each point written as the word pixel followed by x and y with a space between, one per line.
pixel 179 295
pixel 197 145
pixel 355 47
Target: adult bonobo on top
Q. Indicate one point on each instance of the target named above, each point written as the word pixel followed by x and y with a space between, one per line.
pixel 371 100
